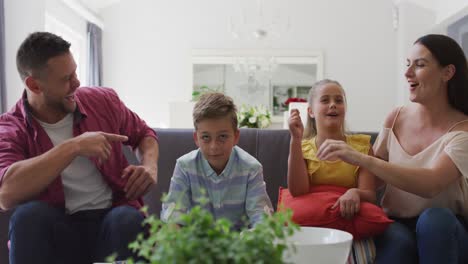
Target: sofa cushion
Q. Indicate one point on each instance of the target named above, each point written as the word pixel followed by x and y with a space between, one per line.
pixel 272 153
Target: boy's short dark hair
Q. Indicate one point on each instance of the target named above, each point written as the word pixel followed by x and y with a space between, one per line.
pixel 36 50
pixel 213 106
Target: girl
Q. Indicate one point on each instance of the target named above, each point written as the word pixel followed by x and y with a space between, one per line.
pixel 326 116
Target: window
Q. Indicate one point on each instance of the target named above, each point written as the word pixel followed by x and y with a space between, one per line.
pixel 77 40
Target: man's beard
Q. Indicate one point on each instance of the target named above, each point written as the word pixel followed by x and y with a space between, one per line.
pixel 60 106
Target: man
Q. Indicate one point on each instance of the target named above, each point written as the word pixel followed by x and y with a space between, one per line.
pixel 62 166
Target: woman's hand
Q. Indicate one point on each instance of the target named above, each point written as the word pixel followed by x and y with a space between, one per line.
pixel 349 203
pixel 296 128
pixel 336 149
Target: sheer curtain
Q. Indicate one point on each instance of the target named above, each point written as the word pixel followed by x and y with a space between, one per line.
pixel 95 55
pixel 2 59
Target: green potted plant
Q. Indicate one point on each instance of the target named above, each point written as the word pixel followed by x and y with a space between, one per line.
pixel 199 91
pixel 201 239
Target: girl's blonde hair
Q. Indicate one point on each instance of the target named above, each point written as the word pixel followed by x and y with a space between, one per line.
pixel 310 130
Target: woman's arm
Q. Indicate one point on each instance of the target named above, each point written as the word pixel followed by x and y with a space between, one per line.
pixel 366 183
pixel 425 182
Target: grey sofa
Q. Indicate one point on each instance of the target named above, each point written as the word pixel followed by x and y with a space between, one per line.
pixel 270 147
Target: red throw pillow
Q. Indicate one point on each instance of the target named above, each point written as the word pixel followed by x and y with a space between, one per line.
pixel 314 209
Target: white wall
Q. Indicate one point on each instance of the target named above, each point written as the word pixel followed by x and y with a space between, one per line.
pixel 59 10
pixel 21 18
pixel 147 49
pixel 75 28
pixel 446 9
pixel 147 45
pixel 409 30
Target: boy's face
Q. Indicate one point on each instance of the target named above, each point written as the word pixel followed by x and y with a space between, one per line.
pixel 216 138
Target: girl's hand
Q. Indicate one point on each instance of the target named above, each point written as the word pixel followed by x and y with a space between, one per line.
pixel 336 149
pixel 349 203
pixel 296 128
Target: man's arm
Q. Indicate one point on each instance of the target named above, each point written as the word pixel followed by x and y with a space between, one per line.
pixel 139 177
pixel 27 178
pixel 142 177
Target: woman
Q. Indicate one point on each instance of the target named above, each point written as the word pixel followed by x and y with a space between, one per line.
pixel 423 151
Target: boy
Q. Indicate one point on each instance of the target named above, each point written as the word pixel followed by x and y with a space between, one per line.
pixel 232 178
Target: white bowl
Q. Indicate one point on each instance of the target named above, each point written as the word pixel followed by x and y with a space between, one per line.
pixel 319 245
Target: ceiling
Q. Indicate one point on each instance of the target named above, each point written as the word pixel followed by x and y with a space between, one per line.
pixel 428 4
pixel 97 5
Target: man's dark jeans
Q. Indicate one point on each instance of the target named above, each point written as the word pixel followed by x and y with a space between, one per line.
pixel 40 233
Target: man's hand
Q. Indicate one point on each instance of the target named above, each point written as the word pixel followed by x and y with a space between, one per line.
pixel 97 144
pixel 140 179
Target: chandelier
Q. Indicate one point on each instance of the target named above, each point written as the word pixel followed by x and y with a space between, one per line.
pixel 258 69
pixel 258 27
